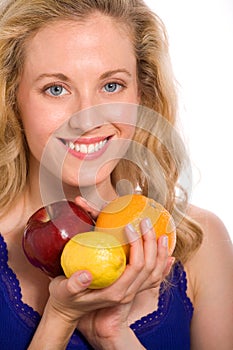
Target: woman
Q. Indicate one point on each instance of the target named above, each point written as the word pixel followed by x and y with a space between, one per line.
pixel 58 58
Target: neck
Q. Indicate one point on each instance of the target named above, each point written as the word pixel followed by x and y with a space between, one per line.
pixel 44 188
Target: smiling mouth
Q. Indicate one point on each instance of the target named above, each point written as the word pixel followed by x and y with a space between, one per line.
pixel 88 147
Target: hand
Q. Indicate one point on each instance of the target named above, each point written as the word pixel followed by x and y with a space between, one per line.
pixel 60 316
pixel 107 310
pixel 64 294
pixel 106 326
pixel 149 257
pixel 153 255
pixel 148 265
pixel 90 208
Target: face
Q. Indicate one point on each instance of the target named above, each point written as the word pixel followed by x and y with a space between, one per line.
pixel 72 67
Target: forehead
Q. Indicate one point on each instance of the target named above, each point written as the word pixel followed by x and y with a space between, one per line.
pixel 97 33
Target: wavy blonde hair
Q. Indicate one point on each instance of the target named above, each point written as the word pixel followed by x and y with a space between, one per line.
pixel 19 20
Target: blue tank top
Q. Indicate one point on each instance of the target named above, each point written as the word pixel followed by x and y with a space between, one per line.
pixel 167 328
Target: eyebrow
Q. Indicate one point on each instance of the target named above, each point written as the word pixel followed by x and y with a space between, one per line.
pixel 112 72
pixel 61 76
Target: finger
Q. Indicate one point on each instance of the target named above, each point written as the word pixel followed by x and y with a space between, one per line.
pixel 156 260
pixel 162 254
pixel 134 266
pixel 79 281
pixel 89 207
pixel 68 287
pixel 142 259
pixel 170 263
pixel 136 257
pixel 149 243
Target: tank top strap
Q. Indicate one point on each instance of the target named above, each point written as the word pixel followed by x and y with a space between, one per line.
pixel 12 290
pixel 174 286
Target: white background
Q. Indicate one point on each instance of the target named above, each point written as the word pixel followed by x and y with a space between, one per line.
pixel 201 46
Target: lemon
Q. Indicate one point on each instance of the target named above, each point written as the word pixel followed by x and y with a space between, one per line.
pixel 99 253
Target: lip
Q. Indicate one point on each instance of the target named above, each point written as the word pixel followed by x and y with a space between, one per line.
pixel 87 142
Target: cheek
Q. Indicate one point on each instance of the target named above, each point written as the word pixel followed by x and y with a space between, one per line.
pixel 36 139
pixel 39 120
pixel 39 125
pixel 127 131
pixel 37 131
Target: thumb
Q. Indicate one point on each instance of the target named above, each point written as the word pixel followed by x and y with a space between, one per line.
pixel 89 207
pixel 62 287
pixel 79 281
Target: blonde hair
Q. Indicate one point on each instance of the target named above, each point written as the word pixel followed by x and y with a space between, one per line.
pixel 19 20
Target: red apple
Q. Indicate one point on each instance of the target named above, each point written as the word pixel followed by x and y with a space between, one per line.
pixel 49 229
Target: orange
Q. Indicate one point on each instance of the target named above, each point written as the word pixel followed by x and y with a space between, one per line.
pixel 132 209
pixel 99 253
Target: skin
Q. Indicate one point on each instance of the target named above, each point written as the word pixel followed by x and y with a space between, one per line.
pixel 83 83
pixel 104 315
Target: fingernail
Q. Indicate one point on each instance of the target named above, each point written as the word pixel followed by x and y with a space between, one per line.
pixel 84 278
pixel 131 233
pixel 146 224
pixel 165 241
pixel 130 228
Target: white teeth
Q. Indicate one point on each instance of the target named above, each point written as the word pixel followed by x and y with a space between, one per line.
pixel 86 149
pixel 91 148
pixel 71 145
pixel 83 149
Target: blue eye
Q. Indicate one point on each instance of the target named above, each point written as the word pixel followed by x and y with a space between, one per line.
pixel 56 90
pixel 112 87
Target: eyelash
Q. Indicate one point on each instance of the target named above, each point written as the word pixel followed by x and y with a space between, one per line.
pixel 119 87
pixel 59 85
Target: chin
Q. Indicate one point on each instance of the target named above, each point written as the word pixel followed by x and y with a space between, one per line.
pixel 88 174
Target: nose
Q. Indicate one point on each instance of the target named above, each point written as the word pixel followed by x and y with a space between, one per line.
pixel 105 113
pixel 86 99
pixel 88 119
pixel 88 113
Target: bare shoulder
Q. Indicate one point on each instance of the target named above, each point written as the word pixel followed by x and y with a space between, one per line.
pixel 214 230
pixel 216 248
pixel 210 275
pixel 204 216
